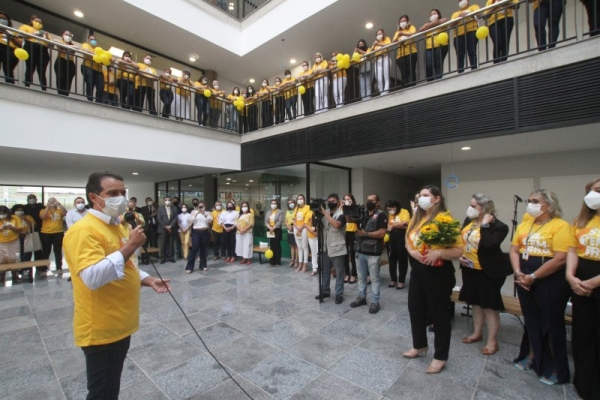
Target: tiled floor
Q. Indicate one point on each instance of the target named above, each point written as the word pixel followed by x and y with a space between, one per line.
pixel 266 328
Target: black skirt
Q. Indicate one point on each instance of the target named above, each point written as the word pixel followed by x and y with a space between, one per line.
pixel 480 290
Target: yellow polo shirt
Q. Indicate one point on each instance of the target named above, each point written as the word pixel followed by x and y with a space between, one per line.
pixel 88 58
pixel 587 240
pixel 409 48
pixel 111 312
pixel 216 97
pixel 471 235
pixel 7 236
pixel 308 83
pixel 323 65
pixel 542 240
pixel 144 80
pixel 292 91
pixel 430 42
pixel 386 40
pixel 184 91
pixel 32 31
pixel 493 16
pixel 53 223
pixel 215 222
pixel 468 24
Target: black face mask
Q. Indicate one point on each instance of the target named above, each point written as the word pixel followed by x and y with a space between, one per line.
pixel 332 206
pixel 230 208
pixel 371 205
pixel 195 204
pixel 363 47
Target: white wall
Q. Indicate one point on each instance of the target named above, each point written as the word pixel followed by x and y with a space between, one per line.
pixel 388 186
pixel 140 190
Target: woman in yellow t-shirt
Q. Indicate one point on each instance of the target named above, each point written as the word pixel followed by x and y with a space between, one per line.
pixel 351 228
pixel 320 70
pixel 52 232
pixel 538 254
pixel 406 57
pixel 465 41
pixel 291 94
pixel 308 98
pixel 398 257
pixel 64 66
pixel 382 61
pixel 339 81
pixel 278 102
pixel 8 43
pixel 290 214
pixel 251 108
pixel 266 107
pixel 243 236
pixel 233 124
pixel 501 23
pixel 10 230
pixel 39 57
pixel 435 53
pixel 583 274
pixel 365 73
pixel 301 220
pixel 430 286
pixel 183 96
pixel 166 83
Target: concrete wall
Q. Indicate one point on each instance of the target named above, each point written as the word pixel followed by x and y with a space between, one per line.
pixel 388 186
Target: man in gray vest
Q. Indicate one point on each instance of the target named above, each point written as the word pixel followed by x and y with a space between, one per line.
pixel 334 247
pixel 372 229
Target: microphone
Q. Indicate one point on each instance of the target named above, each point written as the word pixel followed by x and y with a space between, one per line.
pixel 520 200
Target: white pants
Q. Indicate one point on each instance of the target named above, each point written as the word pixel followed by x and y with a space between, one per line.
pixel 302 243
pixel 321 100
pixel 243 245
pixel 382 71
pixel 314 250
pixel 339 84
pixel 182 106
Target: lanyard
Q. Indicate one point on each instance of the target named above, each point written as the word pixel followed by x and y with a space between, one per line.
pixel 531 233
pixel 473 227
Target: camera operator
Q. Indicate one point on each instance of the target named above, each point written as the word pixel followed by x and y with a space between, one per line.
pixel 372 229
pixel 334 247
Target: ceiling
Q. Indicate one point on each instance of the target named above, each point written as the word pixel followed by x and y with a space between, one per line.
pixel 337 27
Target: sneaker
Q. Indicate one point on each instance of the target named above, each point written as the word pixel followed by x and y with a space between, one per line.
pixel 324 295
pixel 339 299
pixel 374 308
pixel 358 302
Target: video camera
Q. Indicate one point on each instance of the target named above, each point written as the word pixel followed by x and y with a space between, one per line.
pixel 356 212
pixel 315 204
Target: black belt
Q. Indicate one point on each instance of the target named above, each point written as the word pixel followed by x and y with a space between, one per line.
pixel 200 229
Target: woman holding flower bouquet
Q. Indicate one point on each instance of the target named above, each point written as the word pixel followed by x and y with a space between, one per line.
pixel 432 240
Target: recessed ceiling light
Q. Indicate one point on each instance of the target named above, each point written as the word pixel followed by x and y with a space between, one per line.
pixel 190 185
pixel 251 180
pixel 293 61
pixel 232 6
pixel 252 80
pixel 465 148
pixel 193 57
pixel 247 184
pixel 369 25
pixel 234 181
pixel 227 183
pixel 228 179
pixel 135 173
pixel 78 13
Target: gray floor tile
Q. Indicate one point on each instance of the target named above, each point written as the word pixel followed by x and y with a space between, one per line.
pixel 226 310
pixel 413 384
pixel 282 334
pixel 361 314
pixel 161 357
pixel 251 320
pixel 347 331
pixel 17 323
pixel 319 349
pixel 6 295
pixel 310 319
pixel 151 335
pixel 63 341
pixel 12 378
pixel 214 336
pixel 67 361
pixel 571 392
pixel 202 282
pixel 142 390
pixel 17 311
pixel 181 326
pixel 479 395
pixel 20 352
pixel 280 309
pixel 56 327
pixel 243 353
pixel 332 387
pixel 55 314
pixel 229 390
pixel 169 312
pixel 48 391
pixel 29 334
pixel 460 368
pixel 387 344
pixel 13 303
pixel 41 306
pixel 282 374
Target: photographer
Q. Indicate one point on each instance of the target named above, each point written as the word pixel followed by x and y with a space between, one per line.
pixel 372 229
pixel 334 247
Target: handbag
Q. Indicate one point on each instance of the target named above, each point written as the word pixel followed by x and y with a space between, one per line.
pixel 32 242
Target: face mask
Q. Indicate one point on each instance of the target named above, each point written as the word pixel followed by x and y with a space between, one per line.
pixel 403 25
pixel 300 202
pixel 291 206
pixel 80 206
pixel 425 203
pixel 3 216
pixel 201 208
pixel 218 208
pixel 379 37
pixel 433 18
pixel 371 205
pixel 288 77
pixel 19 213
pixel 230 208
pixel 305 67
pixel 472 212
pixel 32 201
pixel 236 92
pixel 184 210
pixel 37 25
pixel 264 84
pixel 67 38
pixel 147 61
pixel 204 81
pixel 535 210
pixel 127 58
pixel 244 209
pixel 167 203
pixel 216 86
pixel 149 203
pixel 318 60
pixel 186 76
pixel 167 74
pixel 93 42
pixel 250 91
pixel 392 212
pixel 114 206
pixel 3 21
pixel 363 47
pixel 348 202
pixel 273 206
pixel 277 83
pixel 592 200
pixel 331 205
pixel 463 4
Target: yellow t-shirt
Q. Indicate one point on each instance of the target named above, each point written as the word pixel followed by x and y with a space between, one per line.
pixel 351 227
pixel 32 31
pixel 53 223
pixel 410 46
pixel 412 238
pixel 402 216
pixel 542 240
pixel 109 86
pixel 310 225
pixel 184 91
pixel 7 236
pixel 471 235
pixel 468 24
pixel 302 216
pixel 587 240
pixel 216 97
pixel 111 312
pixel 292 91
pixel 245 220
pixel 323 65
pixel 86 47
pixel 430 42
pixel 9 39
pixel 143 78
pixel 215 222
pixel 309 82
pixel 386 40
pixel 289 216
pixel 126 72
pixel 493 16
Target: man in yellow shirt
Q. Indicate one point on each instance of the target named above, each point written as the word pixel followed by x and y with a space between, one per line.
pixel 92 72
pixel 144 86
pixel 106 284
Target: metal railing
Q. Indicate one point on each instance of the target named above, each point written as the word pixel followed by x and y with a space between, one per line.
pixel 515 29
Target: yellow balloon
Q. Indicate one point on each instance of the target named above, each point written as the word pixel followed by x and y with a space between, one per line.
pixel 356 57
pixel 442 38
pixel 108 54
pixel 346 57
pixel 301 90
pixel 340 64
pixel 104 59
pixel 207 92
pixel 21 54
pixel 98 50
pixel 482 32
pixel 339 56
pixel 97 59
pixel 240 108
pixel 386 238
pixel 346 64
pixel 269 254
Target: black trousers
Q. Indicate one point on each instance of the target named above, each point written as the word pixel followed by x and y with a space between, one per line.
pixel 65 72
pixel 252 111
pixel 145 93
pixel 350 258
pixel 290 107
pixel 38 60
pixel 229 239
pixel 308 101
pixel 265 113
pixel 548 13
pixel 93 79
pixel 200 241
pixel 500 32
pixel 466 45
pixel 543 308
pixel 586 335
pixel 408 69
pixel 166 96
pixel 166 244
pixel 111 99
pixel 593 11
pixel 434 62
pixel 279 109
pixel 126 91
pixel 429 294
pixel 398 256
pixel 9 61
pixel 214 117
pixel 52 241
pixel 103 367
pixel 275 246
pixel 219 244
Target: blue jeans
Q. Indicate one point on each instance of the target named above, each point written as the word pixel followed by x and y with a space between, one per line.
pixel 368 264
pixel 434 62
pixel 548 12
pixel 338 264
pixel 203 107
pixel 93 79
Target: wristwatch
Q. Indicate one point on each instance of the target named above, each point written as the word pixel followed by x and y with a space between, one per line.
pixel 533 277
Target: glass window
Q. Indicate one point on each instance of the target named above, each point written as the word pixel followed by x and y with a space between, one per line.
pixel 12 195
pixel 192 188
pixel 325 180
pixel 162 192
pixel 65 195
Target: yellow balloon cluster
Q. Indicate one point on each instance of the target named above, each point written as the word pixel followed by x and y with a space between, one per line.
pixel 269 254
pixel 21 54
pixel 482 32
pixel 356 57
pixel 343 62
pixel 301 89
pixel 239 104
pixel 102 56
pixel 207 93
pixel 442 38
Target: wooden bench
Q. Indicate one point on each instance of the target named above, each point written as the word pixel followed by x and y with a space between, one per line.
pixel 260 251
pixel 25 265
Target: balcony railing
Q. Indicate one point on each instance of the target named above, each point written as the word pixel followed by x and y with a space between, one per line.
pixel 514 30
pixel 238 9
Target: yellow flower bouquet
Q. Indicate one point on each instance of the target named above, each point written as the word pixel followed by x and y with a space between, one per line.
pixel 439 233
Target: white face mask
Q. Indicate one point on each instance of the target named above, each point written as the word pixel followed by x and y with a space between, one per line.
pixel 305 67
pixel 348 202
pixel 463 4
pixel 147 61
pixel 149 203
pixel 592 200
pixel 218 208
pixel 291 206
pixel 236 92
pixel 318 60
pixel 184 210
pixel 379 37
pixel 216 86
pixel 127 58
pixel 472 212
pixel 273 206
pixel 80 206
pixel 433 18
pixel 19 213
pixel 167 203
pixel 32 201
pixel 403 25
pixel 392 212
pixel 300 202
pixel 288 77
pixel 264 84
pixel 425 203
pixel 244 209
pixel 535 210
pixel 3 216
pixel 67 38
pixel 167 74
pixel 114 206
pixel 186 76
